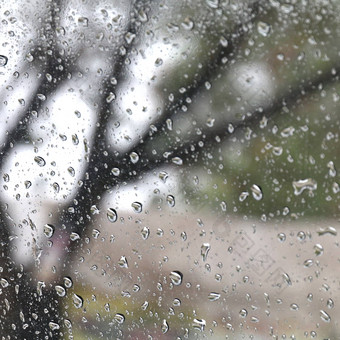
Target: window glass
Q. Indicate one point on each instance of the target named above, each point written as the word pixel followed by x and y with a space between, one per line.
pixel 169 169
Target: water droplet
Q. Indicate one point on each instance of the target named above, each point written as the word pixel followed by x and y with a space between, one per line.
pixel 129 37
pixel 256 192
pixel 205 247
pixel 243 196
pixel 330 303
pixel 243 313
pixel 111 97
pixel 223 206
pixel 3 60
pixel 231 128
pixel 41 97
pixel 176 277
pixel 304 184
pixel 83 21
pixel 324 316
pixel 318 249
pixel 77 300
pixel 213 3
pixel 95 233
pixel 48 230
pixel 165 326
pixel 40 286
pixel 176 302
pixel 4 283
pixel 123 263
pixel 145 305
pixel 68 323
pixel 115 172
pixel 134 157
pixel 224 41
pixel 75 139
pixel 39 160
pixel 137 207
pixel 119 318
pixel 53 326
pixel 286 277
pixel 332 170
pixel 28 184
pixel 308 263
pixel 158 62
pixel 287 132
pixel 328 230
pixel 335 187
pixel 214 296
pixel 145 233
pixel 111 215
pixel 277 150
pixel 171 200
pixel 74 236
pixel 94 210
pixel 56 187
pixel 199 324
pixel 60 290
pixel 163 176
pixel 71 171
pixel 29 57
pixel 281 237
pixel 68 282
pixel 263 28
pixel 294 307
pixel 177 161
pixel 310 297
pixel 6 177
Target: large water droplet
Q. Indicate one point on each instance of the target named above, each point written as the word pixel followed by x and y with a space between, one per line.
pixel 68 323
pixel 205 247
pixel 3 60
pixel 171 200
pixel 68 282
pixel 134 157
pixel 163 175
pixel 110 97
pixel 48 230
pixel 4 283
pixel 263 28
pixel 324 316
pixel 318 249
pixel 60 290
pixel 213 3
pixel 243 196
pixel 176 277
pixel 177 161
pixel 328 230
pixel 165 326
pixel 111 215
pixel 40 286
pixel 256 192
pixel 332 170
pixel 214 296
pixel 39 160
pixel 243 313
pixel 119 318
pixel 199 324
pixel 137 207
pixel 145 233
pixel 53 326
pixel 74 236
pixel 77 300
pixel 304 184
pixel 123 263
